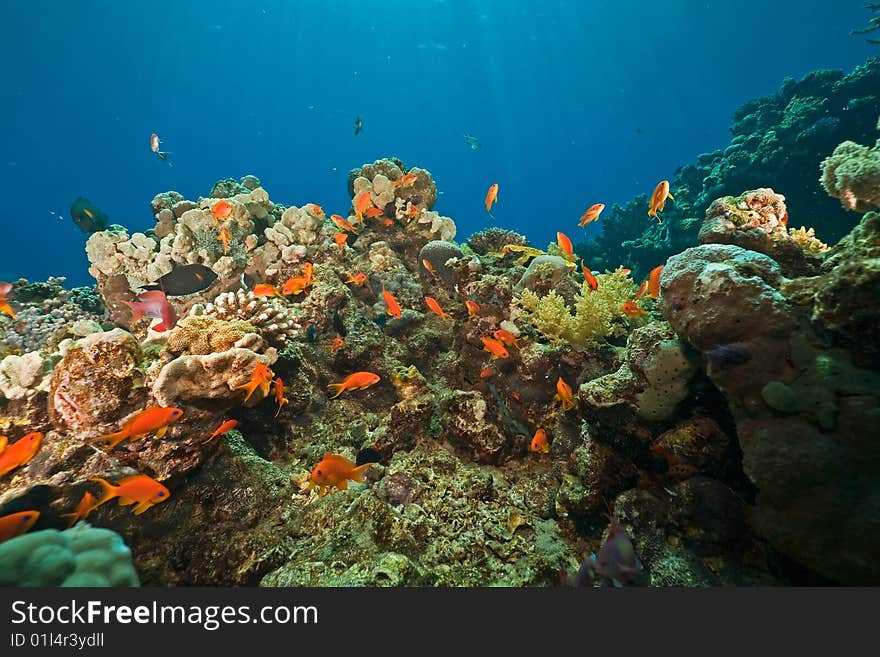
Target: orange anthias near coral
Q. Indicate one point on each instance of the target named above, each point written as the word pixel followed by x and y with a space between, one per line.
pixel 20 452
pixel 361 203
pixel 491 196
pixel 356 381
pixel 5 289
pixel 221 211
pixel 654 282
pixel 539 443
pixel 589 279
pixel 435 307
pixel 658 199
pixel 337 344
pixel 506 338
pixel 340 239
pixel 278 387
pixel 224 237
pixel 140 489
pixel 151 419
pixel 16 524
pixel 266 290
pixel 591 214
pixel 86 505
pixel 565 245
pixel 228 425
pixel 495 348
pixel 336 471
pixel 631 309
pixel 261 378
pixel 405 180
pixel 564 395
pixel 342 223
pixel 392 307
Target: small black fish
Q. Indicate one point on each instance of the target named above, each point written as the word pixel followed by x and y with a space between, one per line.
pixel 358 126
pixel 311 333
pixel 185 279
pixel 726 355
pixel 87 216
pixel 367 455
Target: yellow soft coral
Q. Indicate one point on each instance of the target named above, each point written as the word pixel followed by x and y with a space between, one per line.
pixel 204 334
pixel 807 240
pixel 595 311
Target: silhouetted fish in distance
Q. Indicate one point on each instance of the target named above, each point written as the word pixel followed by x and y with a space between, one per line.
pixel 358 126
pixel 472 141
pixel 727 355
pixel 184 279
pixel 87 216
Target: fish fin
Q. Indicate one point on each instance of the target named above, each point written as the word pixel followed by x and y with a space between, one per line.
pixel 73 518
pixel 143 506
pixel 161 432
pixel 669 194
pixel 112 439
pixel 126 501
pixel 342 485
pixel 339 388
pixel 108 491
pixel 6 308
pixel 358 473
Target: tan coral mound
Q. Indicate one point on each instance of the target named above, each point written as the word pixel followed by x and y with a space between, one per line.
pixel 205 334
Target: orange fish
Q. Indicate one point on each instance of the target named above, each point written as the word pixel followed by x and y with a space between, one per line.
pixel 84 508
pixel 393 309
pixel 591 214
pixel 539 443
pixel 5 289
pixel 337 344
pixel 261 377
pixel 387 222
pixel 20 452
pixel 642 289
pixel 278 387
pixel 626 271
pixel 317 210
pixel 565 244
pixel 228 425
pixel 336 471
pixel 266 290
pixel 427 265
pixel 3 442
pixel 224 237
pixel 294 285
pixel 17 524
pixel 564 395
pixel 358 279
pixel 589 278
pixel 658 199
pixel 413 211
pixel 435 307
pixel 221 211
pixel 506 338
pixel 154 418
pixel 140 489
pixel 342 224
pixel 495 348
pixel 405 180
pixel 472 307
pixel 340 239
pixel 361 203
pixel 491 196
pixel 630 309
pixel 654 282
pixel 356 381
pixel 371 213
pixel 486 373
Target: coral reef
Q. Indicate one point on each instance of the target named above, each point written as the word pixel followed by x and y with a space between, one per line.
pixel 271 319
pixel 852 174
pixel 81 556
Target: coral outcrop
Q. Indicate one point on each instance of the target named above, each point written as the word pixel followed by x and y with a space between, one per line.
pixel 852 174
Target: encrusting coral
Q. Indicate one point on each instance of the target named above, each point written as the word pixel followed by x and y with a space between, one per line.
pixel 270 317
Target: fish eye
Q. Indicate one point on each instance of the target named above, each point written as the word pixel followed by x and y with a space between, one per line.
pixel 319 472
pixel 161 493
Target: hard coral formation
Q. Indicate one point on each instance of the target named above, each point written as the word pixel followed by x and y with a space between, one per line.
pixel 205 334
pixel 852 174
pixel 271 318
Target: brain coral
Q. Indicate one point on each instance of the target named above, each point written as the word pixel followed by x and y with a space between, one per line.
pixel 205 334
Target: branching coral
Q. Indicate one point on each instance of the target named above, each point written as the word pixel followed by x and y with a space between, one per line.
pixel 272 320
pixel 595 311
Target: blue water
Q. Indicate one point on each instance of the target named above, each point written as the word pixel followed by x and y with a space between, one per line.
pixel 575 102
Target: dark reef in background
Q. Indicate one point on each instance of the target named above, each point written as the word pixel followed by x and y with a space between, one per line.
pixel 779 139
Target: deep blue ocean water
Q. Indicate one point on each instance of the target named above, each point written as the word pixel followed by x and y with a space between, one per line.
pixel 574 101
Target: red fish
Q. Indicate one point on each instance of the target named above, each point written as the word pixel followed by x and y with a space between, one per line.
pixel 361 204
pixel 154 304
pixel 413 211
pixel 342 224
pixel 506 338
pixel 224 237
pixel 387 222
pixel 486 372
pixel 154 418
pixel 495 348
pixel 372 213
pixel 336 471
pixel 3 442
pixel 221 211
pixel 435 307
pixel 539 443
pixel 357 279
pixel 266 290
pixel 20 452
pixel 278 387
pixel 261 377
pixel 565 244
pixel 642 289
pixel 392 307
pixel 658 199
pixel 591 214
pixel 140 489
pixel 84 508
pixel 491 196
pixel 356 381
pixel 337 344
pixel 5 289
pixel 317 210
pixel 154 146
pixel 17 524
pixel 654 282
pixel 427 265
pixel 472 307
pixel 631 309
pixel 228 425
pixel 340 239
pixel 564 395
pixel 405 180
pixel 589 279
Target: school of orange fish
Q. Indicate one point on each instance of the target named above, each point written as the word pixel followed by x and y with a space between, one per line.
pixel 333 471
